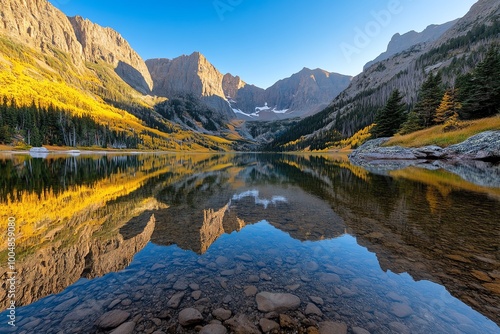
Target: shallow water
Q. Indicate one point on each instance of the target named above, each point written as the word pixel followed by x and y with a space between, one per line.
pixel 409 252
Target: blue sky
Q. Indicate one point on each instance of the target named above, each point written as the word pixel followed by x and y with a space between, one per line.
pixel 263 41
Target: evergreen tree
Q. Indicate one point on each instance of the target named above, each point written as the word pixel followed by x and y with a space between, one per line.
pixel 389 119
pixel 413 123
pixel 448 107
pixel 480 90
pixel 429 98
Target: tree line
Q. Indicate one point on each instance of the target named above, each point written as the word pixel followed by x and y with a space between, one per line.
pixel 474 95
pixel 35 125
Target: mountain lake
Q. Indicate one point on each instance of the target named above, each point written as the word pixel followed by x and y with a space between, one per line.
pixel 245 243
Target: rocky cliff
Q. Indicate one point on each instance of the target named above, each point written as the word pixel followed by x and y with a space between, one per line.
pixel 43 27
pixel 232 84
pixel 40 25
pixel 189 75
pixel 105 44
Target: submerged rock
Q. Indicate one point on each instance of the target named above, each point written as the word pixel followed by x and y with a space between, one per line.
pixel 277 302
pixel 112 319
pixel 213 329
pixel 190 316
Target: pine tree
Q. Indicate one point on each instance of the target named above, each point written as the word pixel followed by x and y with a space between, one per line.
pixel 480 90
pixel 413 123
pixel 429 98
pixel 389 119
pixel 448 107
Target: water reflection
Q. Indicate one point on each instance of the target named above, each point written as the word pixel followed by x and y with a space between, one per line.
pixel 358 249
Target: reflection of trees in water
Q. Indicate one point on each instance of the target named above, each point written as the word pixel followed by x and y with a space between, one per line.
pixel 54 176
pixel 440 228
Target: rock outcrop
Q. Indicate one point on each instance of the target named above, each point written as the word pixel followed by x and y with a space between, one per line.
pixel 483 146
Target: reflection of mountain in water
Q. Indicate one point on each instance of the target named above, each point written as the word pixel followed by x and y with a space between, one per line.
pixel 431 225
pixel 207 206
pixel 412 227
pixel 86 252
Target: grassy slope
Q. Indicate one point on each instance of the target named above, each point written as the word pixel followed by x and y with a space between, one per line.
pixel 436 136
pixel 29 75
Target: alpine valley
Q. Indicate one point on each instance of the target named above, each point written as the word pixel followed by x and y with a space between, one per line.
pixel 67 81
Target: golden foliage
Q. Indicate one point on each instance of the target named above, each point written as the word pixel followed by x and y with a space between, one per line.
pixel 436 136
pixel 28 75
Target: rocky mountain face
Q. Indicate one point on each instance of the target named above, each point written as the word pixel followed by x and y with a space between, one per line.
pixel 42 26
pixel 400 43
pixel 307 91
pixel 456 51
pixel 189 75
pixel 302 94
pixel 105 44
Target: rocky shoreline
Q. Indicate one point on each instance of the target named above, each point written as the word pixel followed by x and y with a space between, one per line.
pixel 475 160
pixel 484 146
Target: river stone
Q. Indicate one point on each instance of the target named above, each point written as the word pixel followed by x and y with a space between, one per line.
pixel 329 327
pixel 196 294
pixel 311 266
pixel 287 322
pixel 253 279
pixel 250 291
pixel 401 310
pixel 112 319
pixel 329 278
pixel 125 328
pixel 190 316
pixel 241 324
pixel 316 300
pixel 268 325
pixel 293 287
pixel 359 330
pixel 399 327
pixel 276 302
pixel 265 276
pixel 313 309
pixel 213 329
pixel 176 299
pixel 244 257
pixel 395 297
pixel 66 305
pixel 221 261
pixel 222 314
pixel 181 285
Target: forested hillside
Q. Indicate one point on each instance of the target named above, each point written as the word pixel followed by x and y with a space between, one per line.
pixel 356 108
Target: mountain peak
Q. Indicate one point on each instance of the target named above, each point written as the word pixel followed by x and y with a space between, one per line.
pixel 400 43
pixel 106 44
